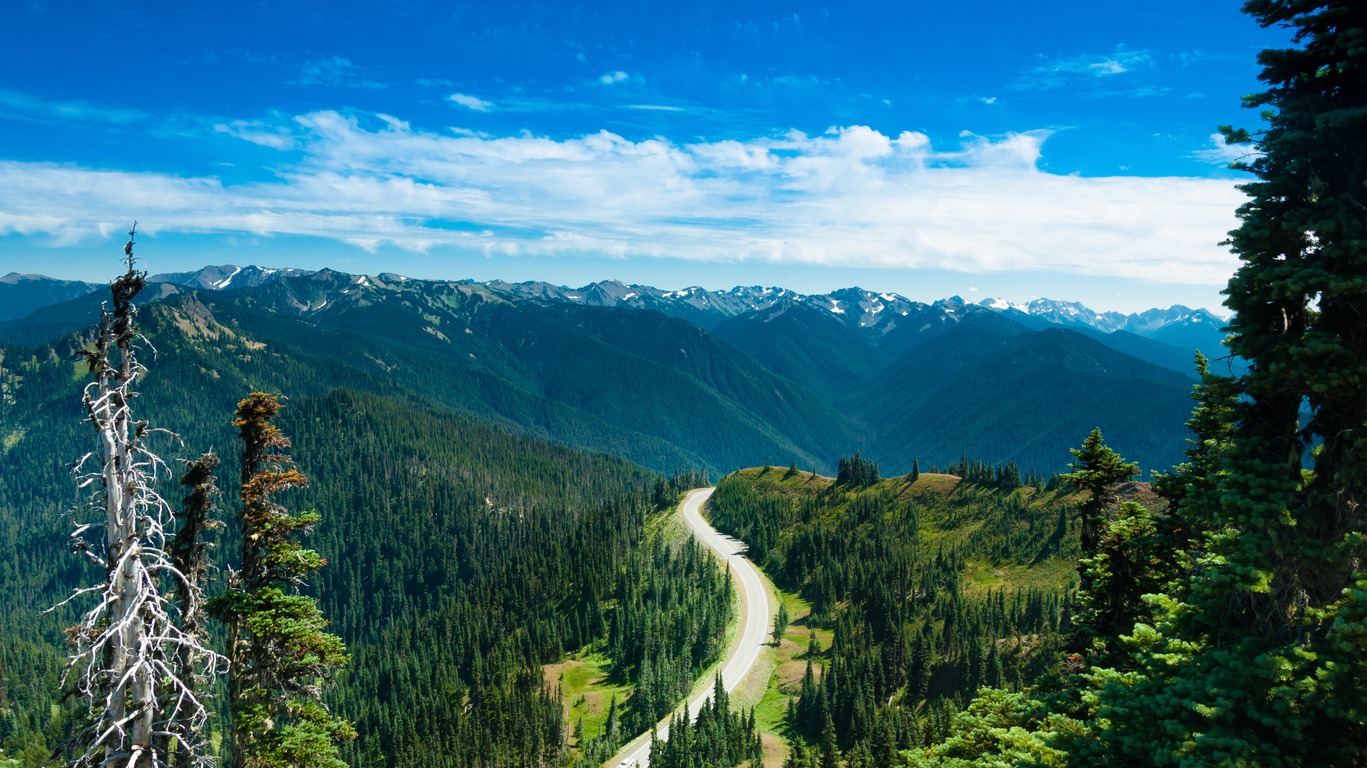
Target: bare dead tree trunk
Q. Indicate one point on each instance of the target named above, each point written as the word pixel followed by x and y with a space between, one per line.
pixel 122 645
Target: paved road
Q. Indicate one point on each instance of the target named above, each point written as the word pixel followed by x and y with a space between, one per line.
pixel 756 617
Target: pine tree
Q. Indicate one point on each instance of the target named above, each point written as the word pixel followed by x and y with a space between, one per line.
pixel 830 755
pixel 122 648
pixel 780 623
pixel 190 554
pixel 1096 471
pixel 1260 660
pixel 279 651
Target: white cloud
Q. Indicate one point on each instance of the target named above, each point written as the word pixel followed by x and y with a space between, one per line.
pixel 612 78
pixel 851 196
pixel 1220 153
pixel 470 102
pixel 258 132
pixel 1107 67
pixel 1077 70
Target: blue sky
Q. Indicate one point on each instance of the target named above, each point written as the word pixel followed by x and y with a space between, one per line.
pixel 1061 149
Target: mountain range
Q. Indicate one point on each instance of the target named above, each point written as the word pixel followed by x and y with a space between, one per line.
pixel 688 378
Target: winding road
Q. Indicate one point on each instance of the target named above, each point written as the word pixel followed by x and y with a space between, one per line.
pixel 756 616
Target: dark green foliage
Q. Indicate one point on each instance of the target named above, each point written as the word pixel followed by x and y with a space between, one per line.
pixel 190 553
pixel 279 651
pixel 461 556
pixel 886 572
pixel 857 472
pixel 1006 477
pixel 718 738
pixel 672 608
pixel 1096 471
pixel 1255 654
pixel 1265 643
pixel 495 555
pixel 1138 554
pixel 781 619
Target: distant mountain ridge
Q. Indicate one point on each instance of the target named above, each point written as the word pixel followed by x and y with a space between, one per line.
pixel 222 278
pixel 873 314
pixel 1177 325
pixel 22 295
pixel 877 313
pixel 700 378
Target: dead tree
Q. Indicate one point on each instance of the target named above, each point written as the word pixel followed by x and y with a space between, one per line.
pixel 123 648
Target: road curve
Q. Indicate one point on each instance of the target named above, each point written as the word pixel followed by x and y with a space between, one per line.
pixel 756 616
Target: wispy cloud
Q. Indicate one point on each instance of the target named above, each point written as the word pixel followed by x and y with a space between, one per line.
pixel 852 196
pixel 1067 71
pixel 334 72
pixel 612 78
pixel 1221 153
pixel 258 132
pixel 470 102
pixel 27 106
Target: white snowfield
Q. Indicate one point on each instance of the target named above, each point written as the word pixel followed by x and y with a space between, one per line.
pixel 756 617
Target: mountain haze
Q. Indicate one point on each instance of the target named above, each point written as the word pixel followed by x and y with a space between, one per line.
pixel 698 378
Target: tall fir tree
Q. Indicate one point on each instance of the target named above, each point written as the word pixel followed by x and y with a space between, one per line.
pixel 1096 471
pixel 1260 661
pixel 185 739
pixel 277 643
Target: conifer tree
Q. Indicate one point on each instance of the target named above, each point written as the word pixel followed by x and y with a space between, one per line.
pixel 830 755
pixel 189 553
pixel 1096 471
pixel 1260 661
pixel 780 623
pixel 123 647
pixel 277 645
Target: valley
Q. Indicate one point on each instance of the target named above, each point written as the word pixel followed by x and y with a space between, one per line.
pixel 479 525
pixel 756 617
pixel 354 511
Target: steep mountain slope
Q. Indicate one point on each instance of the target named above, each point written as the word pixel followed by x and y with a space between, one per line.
pixel 1037 396
pixel 20 294
pixel 806 346
pixel 52 321
pixel 925 322
pixel 218 278
pixel 1175 358
pixel 945 355
pixel 785 377
pixel 658 390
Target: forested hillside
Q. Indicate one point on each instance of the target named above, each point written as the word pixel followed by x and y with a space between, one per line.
pixel 932 585
pixel 461 558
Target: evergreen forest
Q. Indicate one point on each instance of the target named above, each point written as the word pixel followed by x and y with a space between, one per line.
pixel 435 526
